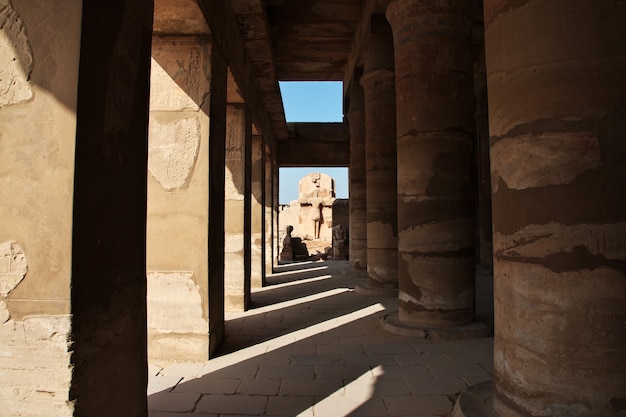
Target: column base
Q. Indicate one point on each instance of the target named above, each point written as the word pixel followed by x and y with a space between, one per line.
pixel 475 402
pixel 476 330
pixel 371 291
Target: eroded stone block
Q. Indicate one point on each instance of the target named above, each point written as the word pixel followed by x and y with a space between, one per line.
pixel 13 266
pixel 5 315
pixel 36 360
pixel 174 303
pixel 173 150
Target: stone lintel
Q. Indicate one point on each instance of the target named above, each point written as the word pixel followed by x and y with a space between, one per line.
pixel 315 144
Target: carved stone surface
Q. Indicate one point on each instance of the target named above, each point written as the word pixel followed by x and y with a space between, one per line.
pixel 13 266
pixel 176 85
pixel 16 57
pixel 36 358
pixel 5 315
pixel 174 303
pixel 173 150
pixel 314 186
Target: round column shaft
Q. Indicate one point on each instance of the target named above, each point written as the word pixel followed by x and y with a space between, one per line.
pixel 380 136
pixel 358 218
pixel 557 98
pixel 435 111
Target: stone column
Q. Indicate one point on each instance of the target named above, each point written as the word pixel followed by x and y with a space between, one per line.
pixel 38 126
pixel 217 164
pixel 481 140
pixel 268 202
pixel 436 235
pixel 358 217
pixel 380 161
pixel 557 99
pixel 178 198
pixel 73 154
pixel 256 213
pixel 237 208
pixel 276 243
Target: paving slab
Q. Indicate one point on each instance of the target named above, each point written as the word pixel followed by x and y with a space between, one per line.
pixel 455 370
pixel 291 406
pixel 311 387
pixel 170 401
pixel 436 386
pixel 266 387
pixel 232 404
pixel 208 385
pixel 417 405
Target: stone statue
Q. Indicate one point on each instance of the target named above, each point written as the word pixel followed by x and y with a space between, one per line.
pixel 340 242
pixel 286 254
pixel 316 196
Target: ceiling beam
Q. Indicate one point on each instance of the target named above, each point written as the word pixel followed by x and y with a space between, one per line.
pixel 225 28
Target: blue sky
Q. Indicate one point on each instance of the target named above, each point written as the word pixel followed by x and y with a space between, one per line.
pixel 311 102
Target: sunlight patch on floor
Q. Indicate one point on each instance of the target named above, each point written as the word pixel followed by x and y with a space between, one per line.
pixel 339 403
pixel 290 338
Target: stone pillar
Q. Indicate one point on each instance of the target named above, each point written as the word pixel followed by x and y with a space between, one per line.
pixel 256 213
pixel 380 161
pixel 217 164
pixel 37 152
pixel 178 199
pixel 436 235
pixel 237 208
pixel 268 213
pixel 557 124
pixel 109 211
pixel 72 236
pixel 481 152
pixel 276 243
pixel 358 217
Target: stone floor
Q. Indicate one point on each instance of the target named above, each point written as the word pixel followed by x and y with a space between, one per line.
pixel 311 346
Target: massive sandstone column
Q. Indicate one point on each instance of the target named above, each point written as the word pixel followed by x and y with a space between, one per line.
pixel 380 136
pixel 557 98
pixel 358 218
pixel 237 208
pixel 187 108
pixel 435 111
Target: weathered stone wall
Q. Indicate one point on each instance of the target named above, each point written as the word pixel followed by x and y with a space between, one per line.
pixel 39 53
